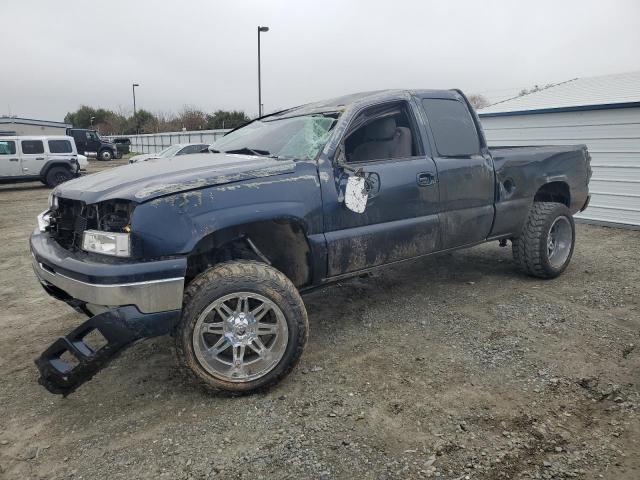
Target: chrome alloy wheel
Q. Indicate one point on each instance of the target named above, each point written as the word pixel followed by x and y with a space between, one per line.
pixel 559 240
pixel 240 337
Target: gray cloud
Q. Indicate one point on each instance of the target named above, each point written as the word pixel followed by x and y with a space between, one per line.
pixel 203 53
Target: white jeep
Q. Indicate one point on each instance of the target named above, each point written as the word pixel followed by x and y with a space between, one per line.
pixel 50 159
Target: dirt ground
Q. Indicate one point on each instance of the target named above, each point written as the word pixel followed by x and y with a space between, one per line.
pixel 456 367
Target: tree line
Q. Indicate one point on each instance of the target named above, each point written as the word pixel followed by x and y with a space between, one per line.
pixel 108 122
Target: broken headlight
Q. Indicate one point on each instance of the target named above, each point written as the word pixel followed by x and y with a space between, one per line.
pixel 117 244
pixel 44 220
pixel 108 232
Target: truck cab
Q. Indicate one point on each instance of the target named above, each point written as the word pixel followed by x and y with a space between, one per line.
pixel 90 144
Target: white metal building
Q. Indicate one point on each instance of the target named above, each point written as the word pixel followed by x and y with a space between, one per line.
pixel 30 126
pixel 601 112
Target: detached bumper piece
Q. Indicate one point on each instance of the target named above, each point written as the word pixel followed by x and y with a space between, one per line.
pixel 70 361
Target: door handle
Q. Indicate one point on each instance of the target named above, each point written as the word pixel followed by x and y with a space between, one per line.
pixel 39 158
pixel 13 159
pixel 425 179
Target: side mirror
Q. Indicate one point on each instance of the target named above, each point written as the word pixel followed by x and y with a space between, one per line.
pixel 356 194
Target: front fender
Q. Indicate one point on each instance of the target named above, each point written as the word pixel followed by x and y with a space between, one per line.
pixel 173 225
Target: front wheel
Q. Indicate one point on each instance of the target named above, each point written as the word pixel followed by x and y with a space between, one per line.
pixel 243 327
pixel 545 245
pixel 105 155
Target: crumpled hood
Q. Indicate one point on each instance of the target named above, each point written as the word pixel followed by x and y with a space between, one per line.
pixel 158 177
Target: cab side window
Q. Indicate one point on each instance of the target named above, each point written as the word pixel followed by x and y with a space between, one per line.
pixel 384 133
pixel 7 147
pixel 32 147
pixel 60 146
pixel 453 128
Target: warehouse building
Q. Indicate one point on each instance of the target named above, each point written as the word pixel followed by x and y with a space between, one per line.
pixel 603 113
pixel 30 126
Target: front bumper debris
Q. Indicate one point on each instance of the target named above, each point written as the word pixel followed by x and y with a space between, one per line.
pixel 119 327
pixel 137 300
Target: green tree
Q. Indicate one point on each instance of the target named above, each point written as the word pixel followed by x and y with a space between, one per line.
pixel 82 118
pixel 226 119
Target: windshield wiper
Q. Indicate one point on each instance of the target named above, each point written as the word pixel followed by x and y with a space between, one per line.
pixel 251 151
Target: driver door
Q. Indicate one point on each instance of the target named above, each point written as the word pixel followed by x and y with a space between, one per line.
pixel 400 219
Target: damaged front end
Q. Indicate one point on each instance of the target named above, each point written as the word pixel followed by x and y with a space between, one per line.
pixel 82 256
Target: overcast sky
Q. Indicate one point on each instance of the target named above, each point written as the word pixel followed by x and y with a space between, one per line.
pixel 59 55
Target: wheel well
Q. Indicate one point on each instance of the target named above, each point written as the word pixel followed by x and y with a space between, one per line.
pixel 554 192
pixel 282 243
pixel 49 166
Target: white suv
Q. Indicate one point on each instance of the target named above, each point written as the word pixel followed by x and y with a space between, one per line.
pixel 50 159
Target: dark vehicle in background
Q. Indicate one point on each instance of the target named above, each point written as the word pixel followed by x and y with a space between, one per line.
pixel 123 145
pixel 215 249
pixel 172 151
pixel 89 143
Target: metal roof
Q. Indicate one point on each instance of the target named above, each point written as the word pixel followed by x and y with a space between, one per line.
pixel 589 93
pixel 32 121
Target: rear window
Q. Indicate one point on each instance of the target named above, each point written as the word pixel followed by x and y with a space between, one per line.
pixel 453 129
pixel 60 146
pixel 7 147
pixel 32 147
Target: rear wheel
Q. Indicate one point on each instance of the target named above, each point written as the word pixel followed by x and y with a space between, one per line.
pixel 545 245
pixel 57 175
pixel 105 155
pixel 243 327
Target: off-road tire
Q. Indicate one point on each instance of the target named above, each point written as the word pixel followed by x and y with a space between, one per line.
pixel 57 175
pixel 105 155
pixel 530 248
pixel 241 276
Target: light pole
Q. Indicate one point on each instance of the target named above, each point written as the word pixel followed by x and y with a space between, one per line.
pixel 91 119
pixel 260 29
pixel 135 119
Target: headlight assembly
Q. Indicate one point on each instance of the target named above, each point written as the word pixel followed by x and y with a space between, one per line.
pixel 107 243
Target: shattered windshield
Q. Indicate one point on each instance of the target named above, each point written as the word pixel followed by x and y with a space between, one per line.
pixel 299 138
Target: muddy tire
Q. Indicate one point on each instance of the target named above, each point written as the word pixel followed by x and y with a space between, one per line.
pixel 243 328
pixel 57 175
pixel 545 245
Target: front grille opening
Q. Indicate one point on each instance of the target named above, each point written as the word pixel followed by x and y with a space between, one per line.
pixel 72 217
pixel 69 221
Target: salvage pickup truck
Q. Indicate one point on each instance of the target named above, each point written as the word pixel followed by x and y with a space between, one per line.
pixel 215 249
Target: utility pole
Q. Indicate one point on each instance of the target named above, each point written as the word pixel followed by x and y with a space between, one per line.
pixel 260 29
pixel 135 118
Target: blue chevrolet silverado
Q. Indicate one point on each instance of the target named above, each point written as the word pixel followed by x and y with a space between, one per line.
pixel 214 249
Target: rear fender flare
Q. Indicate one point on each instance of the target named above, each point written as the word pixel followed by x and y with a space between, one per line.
pixel 70 164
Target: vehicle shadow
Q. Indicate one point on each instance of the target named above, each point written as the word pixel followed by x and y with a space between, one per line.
pixel 23 187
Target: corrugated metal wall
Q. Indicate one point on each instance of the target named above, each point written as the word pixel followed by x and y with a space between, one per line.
pixel 613 139
pixel 154 142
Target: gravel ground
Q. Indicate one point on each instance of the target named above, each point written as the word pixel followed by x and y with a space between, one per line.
pixel 455 367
